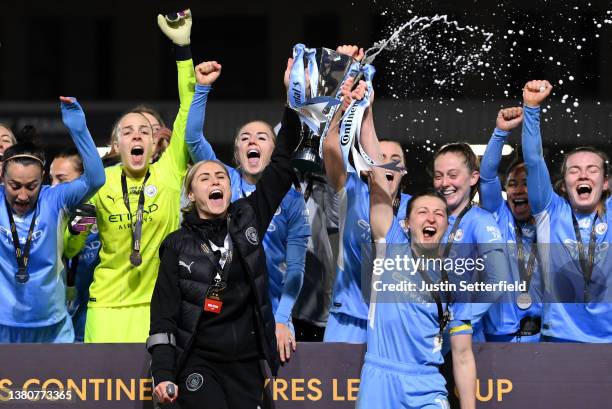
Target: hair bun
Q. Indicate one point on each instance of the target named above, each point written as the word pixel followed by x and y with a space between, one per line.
pixel 28 134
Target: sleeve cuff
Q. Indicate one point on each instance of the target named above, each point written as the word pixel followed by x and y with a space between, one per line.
pixel 535 110
pixel 501 133
pixel 203 88
pixel 281 318
pixel 182 52
pixel 163 376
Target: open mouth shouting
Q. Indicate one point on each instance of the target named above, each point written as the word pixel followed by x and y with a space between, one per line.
pixel 390 176
pixel 137 154
pixel 215 198
pixel 429 232
pixel 584 191
pixel 253 157
pixel 520 204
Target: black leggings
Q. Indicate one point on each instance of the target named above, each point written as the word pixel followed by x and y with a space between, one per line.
pixel 221 385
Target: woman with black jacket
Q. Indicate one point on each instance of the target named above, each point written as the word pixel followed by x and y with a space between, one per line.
pixel 211 318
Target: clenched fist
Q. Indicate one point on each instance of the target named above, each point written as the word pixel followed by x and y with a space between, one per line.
pixel 207 72
pixel 509 118
pixel 535 92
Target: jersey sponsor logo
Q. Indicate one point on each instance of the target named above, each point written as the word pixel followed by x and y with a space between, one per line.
pixel 252 236
pixel 22 240
pixel 187 266
pixel 365 226
pixel 601 250
pixel 93 245
pixel 194 382
pixel 494 232
pixel 124 217
pixel 150 190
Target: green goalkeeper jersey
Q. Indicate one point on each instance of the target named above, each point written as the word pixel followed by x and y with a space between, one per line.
pixel 116 282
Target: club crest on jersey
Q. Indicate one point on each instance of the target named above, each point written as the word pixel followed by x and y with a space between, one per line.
pixel 150 190
pixel 194 382
pixel 458 235
pixel 252 236
pixel 601 228
pixel 94 228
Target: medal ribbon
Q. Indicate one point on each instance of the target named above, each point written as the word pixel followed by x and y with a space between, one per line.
pixel 443 313
pixel 137 226
pixel 23 257
pixel 586 263
pixel 524 273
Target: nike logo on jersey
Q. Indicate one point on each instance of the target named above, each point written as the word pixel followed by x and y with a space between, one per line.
pixel 187 266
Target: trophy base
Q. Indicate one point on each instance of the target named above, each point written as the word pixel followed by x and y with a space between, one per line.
pixel 307 162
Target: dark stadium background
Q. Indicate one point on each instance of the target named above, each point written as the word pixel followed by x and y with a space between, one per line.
pixel 111 55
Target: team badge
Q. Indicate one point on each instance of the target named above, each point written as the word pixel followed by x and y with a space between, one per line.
pixel 94 228
pixel 194 382
pixel 601 228
pixel 150 190
pixel 251 235
pixel 458 235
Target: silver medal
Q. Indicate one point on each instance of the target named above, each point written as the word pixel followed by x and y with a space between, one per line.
pixel 524 301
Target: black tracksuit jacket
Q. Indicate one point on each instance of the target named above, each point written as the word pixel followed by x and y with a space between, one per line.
pixel 178 297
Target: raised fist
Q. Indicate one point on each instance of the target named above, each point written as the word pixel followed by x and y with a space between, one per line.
pixel 535 92
pixel 509 118
pixel 178 32
pixel 207 72
pixel 352 51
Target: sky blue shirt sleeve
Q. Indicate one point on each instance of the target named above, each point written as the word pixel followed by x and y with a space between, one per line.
pixel 491 198
pixel 199 148
pixel 539 187
pixel 493 252
pixel 73 193
pixel 297 243
pixel 461 322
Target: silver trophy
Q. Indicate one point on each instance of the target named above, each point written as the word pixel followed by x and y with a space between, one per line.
pixel 324 72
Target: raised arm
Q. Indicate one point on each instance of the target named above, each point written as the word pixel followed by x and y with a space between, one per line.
pixel 92 179
pixel 199 148
pixel 539 187
pixel 381 204
pixel 335 168
pixel 491 197
pixel 176 156
pixel 278 176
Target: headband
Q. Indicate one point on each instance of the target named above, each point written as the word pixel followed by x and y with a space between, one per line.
pixel 26 156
